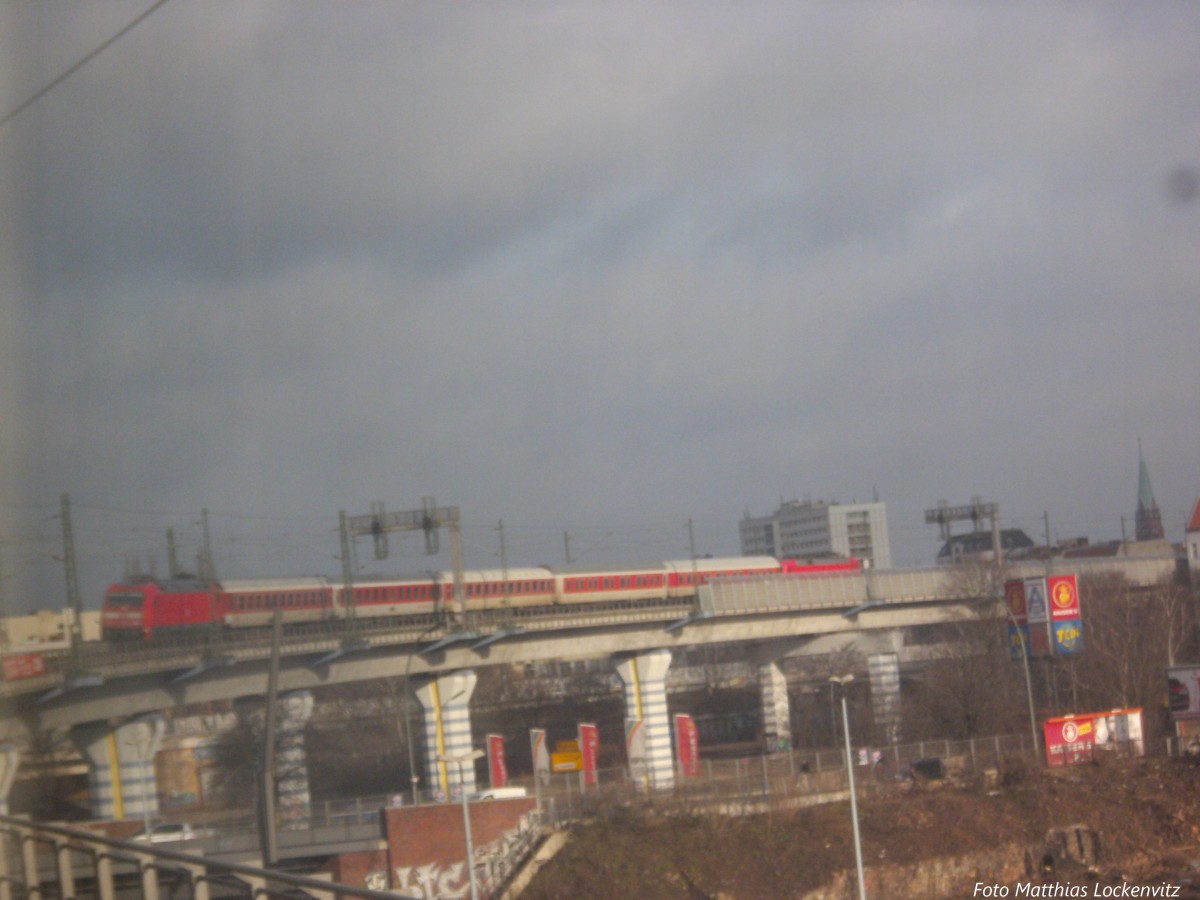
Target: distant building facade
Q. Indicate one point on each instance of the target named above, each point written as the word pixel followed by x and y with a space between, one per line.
pixel 1191 544
pixel 803 529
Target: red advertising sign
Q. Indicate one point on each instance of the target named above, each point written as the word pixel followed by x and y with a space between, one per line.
pixel 23 665
pixel 1064 597
pixel 497 768
pixel 687 745
pixel 589 747
pixel 1075 739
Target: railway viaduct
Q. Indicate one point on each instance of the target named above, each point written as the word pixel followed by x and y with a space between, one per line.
pixel 111 698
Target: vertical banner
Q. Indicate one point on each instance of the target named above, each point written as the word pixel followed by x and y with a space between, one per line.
pixel 589 747
pixel 1064 597
pixel 497 768
pixel 687 745
pixel 541 755
pixel 1018 623
pixel 1036 609
pixel 635 751
pixel 1067 621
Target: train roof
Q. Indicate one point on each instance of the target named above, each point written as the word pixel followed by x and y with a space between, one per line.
pixel 251 585
pixel 607 569
pixel 723 562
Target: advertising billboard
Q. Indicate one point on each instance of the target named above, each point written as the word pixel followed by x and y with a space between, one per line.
pixel 1075 739
pixel 1044 616
pixel 1063 591
pixel 1183 692
pixel 23 665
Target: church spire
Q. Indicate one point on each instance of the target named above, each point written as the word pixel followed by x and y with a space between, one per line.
pixel 1149 520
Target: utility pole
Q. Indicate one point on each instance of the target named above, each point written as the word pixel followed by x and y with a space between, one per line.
pixel 73 600
pixel 507 600
pixel 429 519
pixel 172 556
pixel 209 572
pixel 347 574
pixel 692 551
pixel 3 606
pixel 567 546
pixel 268 842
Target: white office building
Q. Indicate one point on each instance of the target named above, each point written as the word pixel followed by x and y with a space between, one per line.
pixel 803 529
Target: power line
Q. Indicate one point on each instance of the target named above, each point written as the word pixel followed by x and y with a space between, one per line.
pixel 79 65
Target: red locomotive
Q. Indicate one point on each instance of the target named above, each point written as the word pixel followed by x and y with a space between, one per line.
pixel 150 609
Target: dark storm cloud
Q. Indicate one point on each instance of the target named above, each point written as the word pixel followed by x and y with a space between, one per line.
pixel 598 267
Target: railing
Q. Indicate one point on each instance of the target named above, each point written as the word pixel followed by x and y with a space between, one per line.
pixel 41 861
pixel 759 783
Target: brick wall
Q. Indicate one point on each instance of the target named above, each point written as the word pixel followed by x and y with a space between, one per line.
pixel 421 835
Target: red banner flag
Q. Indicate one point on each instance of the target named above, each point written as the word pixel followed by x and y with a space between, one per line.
pixel 687 745
pixel 497 768
pixel 589 746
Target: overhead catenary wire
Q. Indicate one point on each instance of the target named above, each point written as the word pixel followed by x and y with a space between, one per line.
pixel 38 95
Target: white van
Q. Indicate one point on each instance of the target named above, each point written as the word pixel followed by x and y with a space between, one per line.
pixel 504 793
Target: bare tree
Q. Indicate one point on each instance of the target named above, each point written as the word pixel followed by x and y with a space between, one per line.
pixel 1130 637
pixel 971 685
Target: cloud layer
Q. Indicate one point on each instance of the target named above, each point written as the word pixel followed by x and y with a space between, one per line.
pixel 591 268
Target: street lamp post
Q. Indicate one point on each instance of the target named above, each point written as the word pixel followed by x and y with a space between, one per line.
pixel 1033 731
pixel 842 681
pixel 458 759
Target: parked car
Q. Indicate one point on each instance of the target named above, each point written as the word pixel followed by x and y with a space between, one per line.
pixel 169 832
pixel 504 793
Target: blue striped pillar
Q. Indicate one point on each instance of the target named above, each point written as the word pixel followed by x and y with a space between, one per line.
pixel 121 781
pixel 291 761
pixel 776 710
pixel 645 677
pixel 446 701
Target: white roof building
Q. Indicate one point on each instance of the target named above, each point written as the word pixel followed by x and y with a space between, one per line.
pixel 803 529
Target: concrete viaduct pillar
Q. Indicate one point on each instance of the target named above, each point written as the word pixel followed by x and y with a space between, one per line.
pixel 776 709
pixel 446 701
pixel 291 760
pixel 10 759
pixel 645 677
pixel 121 780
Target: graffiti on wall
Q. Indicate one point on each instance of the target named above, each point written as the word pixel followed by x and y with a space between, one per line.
pixel 494 863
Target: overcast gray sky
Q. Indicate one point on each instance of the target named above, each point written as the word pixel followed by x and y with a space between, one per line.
pixel 588 267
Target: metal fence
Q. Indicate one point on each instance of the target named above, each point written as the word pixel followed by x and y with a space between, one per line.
pixel 759 783
pixel 39 860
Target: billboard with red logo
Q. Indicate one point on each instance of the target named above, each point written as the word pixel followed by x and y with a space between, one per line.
pixel 589 748
pixel 1076 739
pixel 1044 616
pixel 1063 591
pixel 23 665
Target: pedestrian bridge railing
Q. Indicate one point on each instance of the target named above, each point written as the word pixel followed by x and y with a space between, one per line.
pixel 54 861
